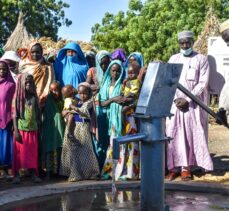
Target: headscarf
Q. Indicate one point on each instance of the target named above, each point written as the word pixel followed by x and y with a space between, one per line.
pixel 7 87
pixel 12 58
pixel 1 52
pixel 99 56
pixel 90 57
pixel 139 59
pixel 90 54
pixel 71 69
pixel 119 54
pixel 18 105
pixel 11 55
pixel 51 55
pixel 41 70
pixel 114 114
pixel 86 84
pixel 23 52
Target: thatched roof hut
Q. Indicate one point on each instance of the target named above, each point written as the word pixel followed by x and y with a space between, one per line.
pixel 20 36
pixel 210 29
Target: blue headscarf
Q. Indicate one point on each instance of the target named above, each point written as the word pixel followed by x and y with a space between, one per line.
pixel 139 58
pixel 115 110
pixel 99 56
pixel 71 69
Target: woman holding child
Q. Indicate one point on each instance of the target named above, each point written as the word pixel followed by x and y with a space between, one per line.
pixel 110 108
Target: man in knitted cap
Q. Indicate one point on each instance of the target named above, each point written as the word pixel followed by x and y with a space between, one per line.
pixel 188 126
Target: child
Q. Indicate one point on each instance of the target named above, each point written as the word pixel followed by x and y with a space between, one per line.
pixel 53 130
pixel 78 158
pixel 131 89
pixel 26 117
pixel 69 94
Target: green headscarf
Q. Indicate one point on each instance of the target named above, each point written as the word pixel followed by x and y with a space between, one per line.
pixel 99 56
pixel 1 52
pixel 115 110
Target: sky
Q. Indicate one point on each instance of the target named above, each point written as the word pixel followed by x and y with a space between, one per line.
pixel 85 14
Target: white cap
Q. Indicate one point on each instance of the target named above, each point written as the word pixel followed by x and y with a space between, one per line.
pixel 224 26
pixel 11 55
pixel 185 34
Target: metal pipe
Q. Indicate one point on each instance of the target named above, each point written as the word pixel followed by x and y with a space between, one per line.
pixel 152 166
pixel 123 140
pixel 200 103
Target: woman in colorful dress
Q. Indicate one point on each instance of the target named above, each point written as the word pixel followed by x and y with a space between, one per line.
pixel 129 167
pixel 110 109
pixel 26 117
pixel 7 87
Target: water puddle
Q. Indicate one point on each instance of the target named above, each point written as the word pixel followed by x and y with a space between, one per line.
pixel 128 200
pixel 113 187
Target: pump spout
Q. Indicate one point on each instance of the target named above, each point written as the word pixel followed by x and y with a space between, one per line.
pixel 123 140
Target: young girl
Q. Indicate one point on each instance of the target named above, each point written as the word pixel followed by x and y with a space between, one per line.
pixel 53 130
pixel 7 87
pixel 26 117
pixel 78 160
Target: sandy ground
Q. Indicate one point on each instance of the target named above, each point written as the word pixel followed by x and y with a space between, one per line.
pixel 218 142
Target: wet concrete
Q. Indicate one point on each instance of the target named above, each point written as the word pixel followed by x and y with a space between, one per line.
pixel 22 193
pixel 125 200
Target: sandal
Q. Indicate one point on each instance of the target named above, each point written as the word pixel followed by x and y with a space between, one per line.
pixel 72 180
pixel 36 179
pixel 186 176
pixel 172 176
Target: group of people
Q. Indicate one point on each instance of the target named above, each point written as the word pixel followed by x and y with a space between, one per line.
pixel 61 116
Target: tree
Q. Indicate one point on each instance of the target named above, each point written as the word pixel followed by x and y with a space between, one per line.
pixel 42 17
pixel 152 28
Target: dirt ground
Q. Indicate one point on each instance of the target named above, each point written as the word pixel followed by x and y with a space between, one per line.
pixel 218 142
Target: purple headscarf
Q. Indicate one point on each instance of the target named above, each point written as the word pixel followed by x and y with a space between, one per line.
pixel 7 87
pixel 119 54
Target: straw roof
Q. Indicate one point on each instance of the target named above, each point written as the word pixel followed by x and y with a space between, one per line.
pixel 20 36
pixel 210 29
